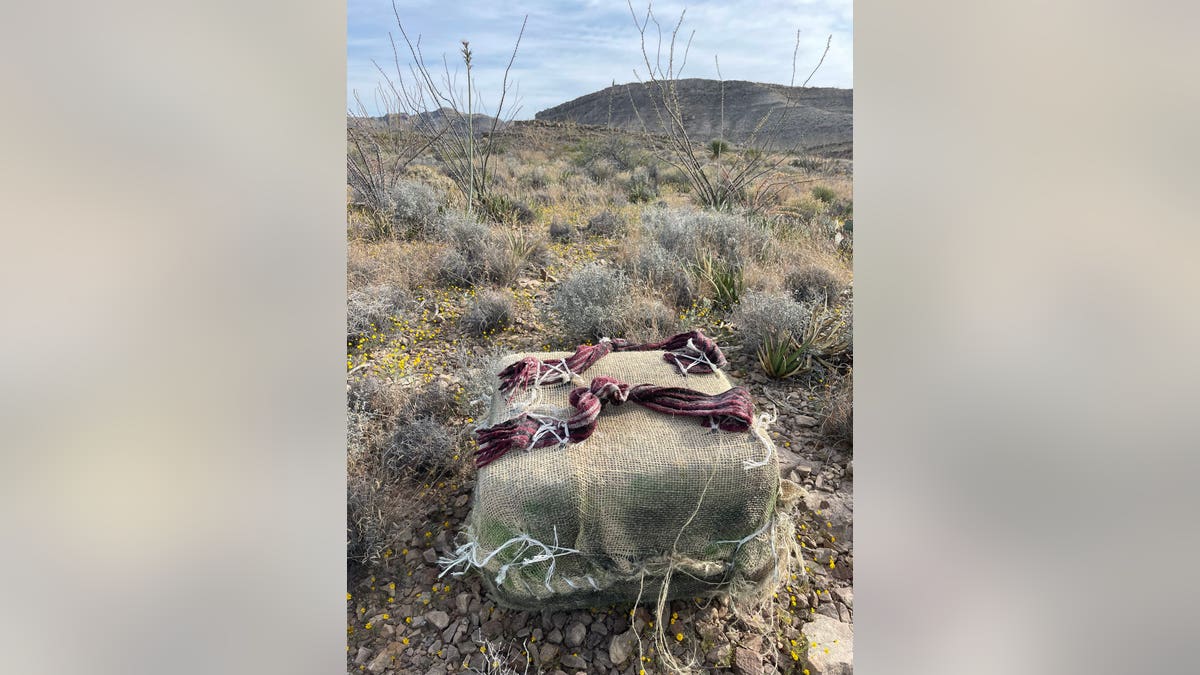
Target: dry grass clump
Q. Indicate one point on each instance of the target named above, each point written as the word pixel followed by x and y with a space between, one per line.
pixel 420 446
pixel 761 316
pixel 814 284
pixel 591 303
pixel 489 312
pixel 837 416
pixel 368 310
pixel 606 224
pixel 648 319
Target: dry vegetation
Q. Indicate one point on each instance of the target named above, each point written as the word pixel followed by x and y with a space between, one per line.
pixel 435 293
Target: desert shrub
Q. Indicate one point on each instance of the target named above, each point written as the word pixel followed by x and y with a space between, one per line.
pixel 760 316
pixel 505 209
pixel 805 209
pixel 561 232
pixel 640 188
pixel 478 253
pixel 676 179
pixel 691 235
pixel 590 303
pixel 368 310
pixel 618 153
pixel 405 209
pixel 420 446
pixel 489 312
pixel 606 224
pixel 512 253
pixel 837 415
pixel 810 163
pixel 824 194
pixel 648 319
pixel 813 284
pixel 663 270
pixel 601 169
pixel 366 527
pixel 535 178
pixel 717 147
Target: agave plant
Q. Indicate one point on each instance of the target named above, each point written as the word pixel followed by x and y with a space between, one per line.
pixel 824 343
pixel 779 357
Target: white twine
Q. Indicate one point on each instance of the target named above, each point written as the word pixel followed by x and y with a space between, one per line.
pixel 764 422
pixel 549 426
pixel 695 360
pixel 467 556
pixel 744 540
pixel 560 369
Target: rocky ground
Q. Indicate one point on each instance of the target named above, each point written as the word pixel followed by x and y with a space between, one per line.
pixel 410 347
pixel 403 618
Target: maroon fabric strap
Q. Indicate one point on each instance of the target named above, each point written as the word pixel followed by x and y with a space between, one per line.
pixel 691 352
pixel 731 410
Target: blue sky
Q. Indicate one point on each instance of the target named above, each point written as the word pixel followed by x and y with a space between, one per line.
pixel 575 47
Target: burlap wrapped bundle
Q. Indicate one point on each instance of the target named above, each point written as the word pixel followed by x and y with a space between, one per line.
pixel 647 498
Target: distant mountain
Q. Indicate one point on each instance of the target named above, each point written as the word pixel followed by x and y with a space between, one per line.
pixel 820 122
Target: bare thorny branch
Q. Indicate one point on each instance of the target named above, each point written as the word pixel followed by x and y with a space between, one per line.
pixel 723 183
pixel 432 104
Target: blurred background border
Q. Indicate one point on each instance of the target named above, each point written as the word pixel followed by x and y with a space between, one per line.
pixel 173 201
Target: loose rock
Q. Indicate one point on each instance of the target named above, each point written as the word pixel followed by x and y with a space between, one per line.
pixel 438 618
pixel 834 653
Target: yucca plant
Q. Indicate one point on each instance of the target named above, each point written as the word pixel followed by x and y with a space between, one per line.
pixel 717 147
pixel 780 358
pixel 725 279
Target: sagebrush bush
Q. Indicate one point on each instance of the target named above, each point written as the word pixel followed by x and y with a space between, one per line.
pixel 406 209
pixel 691 235
pixel 813 284
pixel 535 178
pixel 489 311
pixel 760 316
pixel 561 232
pixel 591 302
pixel 369 310
pixel 659 268
pixel 421 447
pixel 606 224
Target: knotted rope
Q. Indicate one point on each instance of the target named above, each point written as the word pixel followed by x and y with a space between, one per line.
pixel 691 352
pixel 731 410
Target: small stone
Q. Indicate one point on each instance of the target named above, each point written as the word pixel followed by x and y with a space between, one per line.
pixel 492 629
pixel 599 628
pixel 462 602
pixel 555 636
pixel 548 652
pixel 438 618
pixel 829 610
pixel 834 653
pixel 575 634
pixel 805 421
pixel 719 656
pixel 362 656
pixel 845 594
pixel 747 661
pixel 430 556
pixel 383 660
pixel 574 661
pixel 621 647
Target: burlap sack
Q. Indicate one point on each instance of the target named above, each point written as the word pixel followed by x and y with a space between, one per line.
pixel 602 521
